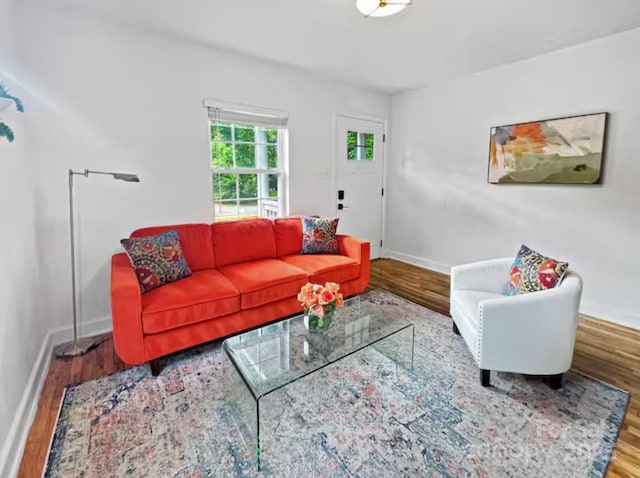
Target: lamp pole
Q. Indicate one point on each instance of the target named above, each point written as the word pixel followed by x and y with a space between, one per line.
pixel 81 346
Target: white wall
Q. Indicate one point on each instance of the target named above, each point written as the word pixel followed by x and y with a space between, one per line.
pixel 117 97
pixel 22 331
pixel 442 212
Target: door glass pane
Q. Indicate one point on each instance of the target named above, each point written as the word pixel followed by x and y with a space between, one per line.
pixel 244 133
pixel 245 155
pixel 368 145
pixel 360 146
pixel 248 185
pixel 224 186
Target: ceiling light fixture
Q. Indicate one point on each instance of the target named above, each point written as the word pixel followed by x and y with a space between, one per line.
pixel 381 8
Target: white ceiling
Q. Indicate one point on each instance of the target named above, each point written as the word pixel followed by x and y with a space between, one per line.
pixel 429 41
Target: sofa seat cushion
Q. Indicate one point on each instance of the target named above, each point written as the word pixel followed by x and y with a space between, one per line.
pixel 204 295
pixel 325 267
pixel 265 280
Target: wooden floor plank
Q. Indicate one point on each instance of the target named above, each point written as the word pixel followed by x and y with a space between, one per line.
pixel 604 351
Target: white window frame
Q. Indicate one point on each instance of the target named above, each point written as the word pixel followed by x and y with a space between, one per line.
pixel 235 114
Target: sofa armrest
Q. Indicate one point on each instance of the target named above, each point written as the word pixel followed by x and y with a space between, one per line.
pixel 485 276
pixel 358 250
pixel 530 333
pixel 126 311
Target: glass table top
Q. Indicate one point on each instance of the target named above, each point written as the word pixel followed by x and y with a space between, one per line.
pixel 275 355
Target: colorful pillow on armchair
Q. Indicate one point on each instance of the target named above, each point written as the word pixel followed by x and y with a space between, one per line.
pixel 319 236
pixel 157 260
pixel 533 272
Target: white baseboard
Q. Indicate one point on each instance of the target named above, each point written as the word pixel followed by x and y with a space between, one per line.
pixel 419 261
pixel 608 314
pixel 619 317
pixel 11 453
pixel 90 328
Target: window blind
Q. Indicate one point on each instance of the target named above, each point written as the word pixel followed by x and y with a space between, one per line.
pixel 253 118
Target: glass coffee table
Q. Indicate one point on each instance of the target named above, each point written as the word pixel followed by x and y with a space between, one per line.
pixel 261 361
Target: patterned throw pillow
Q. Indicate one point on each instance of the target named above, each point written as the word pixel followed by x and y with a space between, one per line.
pixel 319 236
pixel 157 260
pixel 532 272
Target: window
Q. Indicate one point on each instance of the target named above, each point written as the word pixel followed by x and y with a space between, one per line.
pixel 359 146
pixel 247 164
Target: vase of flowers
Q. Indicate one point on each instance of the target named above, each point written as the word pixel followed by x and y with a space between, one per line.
pixel 320 303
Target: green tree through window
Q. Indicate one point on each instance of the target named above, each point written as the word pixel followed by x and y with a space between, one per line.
pixel 246 167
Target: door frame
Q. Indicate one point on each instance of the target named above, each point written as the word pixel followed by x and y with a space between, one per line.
pixel 334 168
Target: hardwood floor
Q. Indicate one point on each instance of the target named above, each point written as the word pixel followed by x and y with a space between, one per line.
pixel 603 350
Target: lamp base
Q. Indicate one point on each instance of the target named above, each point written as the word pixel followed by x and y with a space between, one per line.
pixel 73 349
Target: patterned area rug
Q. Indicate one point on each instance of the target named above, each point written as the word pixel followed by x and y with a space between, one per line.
pixel 363 416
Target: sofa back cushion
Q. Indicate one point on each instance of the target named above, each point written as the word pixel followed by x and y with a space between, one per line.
pixel 195 240
pixel 288 233
pixel 242 241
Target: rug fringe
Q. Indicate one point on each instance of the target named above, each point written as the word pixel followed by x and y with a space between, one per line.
pixel 53 432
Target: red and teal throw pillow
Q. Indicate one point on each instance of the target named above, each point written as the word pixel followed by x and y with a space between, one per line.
pixel 157 260
pixel 319 236
pixel 532 272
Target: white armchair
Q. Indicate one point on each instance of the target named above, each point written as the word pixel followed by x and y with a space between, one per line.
pixel 529 333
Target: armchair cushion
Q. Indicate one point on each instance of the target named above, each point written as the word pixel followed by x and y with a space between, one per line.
pixel 533 272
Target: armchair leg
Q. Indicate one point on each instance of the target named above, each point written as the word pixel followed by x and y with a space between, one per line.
pixel 555 381
pixel 455 329
pixel 155 367
pixel 485 377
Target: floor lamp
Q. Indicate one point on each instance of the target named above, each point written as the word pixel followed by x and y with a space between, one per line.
pixel 80 346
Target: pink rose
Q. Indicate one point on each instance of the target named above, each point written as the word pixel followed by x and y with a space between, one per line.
pixel 326 297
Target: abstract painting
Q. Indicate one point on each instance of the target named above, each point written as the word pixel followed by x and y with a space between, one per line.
pixel 554 151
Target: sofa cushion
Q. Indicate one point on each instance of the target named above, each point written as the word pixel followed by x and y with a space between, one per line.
pixel 205 295
pixel 157 260
pixel 533 272
pixel 265 280
pixel 319 236
pixel 242 241
pixel 195 240
pixel 288 232
pixel 325 267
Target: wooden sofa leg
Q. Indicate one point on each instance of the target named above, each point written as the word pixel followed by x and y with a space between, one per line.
pixel 455 329
pixel 555 381
pixel 485 377
pixel 155 367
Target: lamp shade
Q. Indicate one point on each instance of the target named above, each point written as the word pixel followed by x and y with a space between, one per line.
pixel 381 8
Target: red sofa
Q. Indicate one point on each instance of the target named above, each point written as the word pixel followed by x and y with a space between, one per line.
pixel 245 273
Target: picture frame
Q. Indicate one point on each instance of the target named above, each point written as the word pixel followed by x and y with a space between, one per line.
pixel 566 150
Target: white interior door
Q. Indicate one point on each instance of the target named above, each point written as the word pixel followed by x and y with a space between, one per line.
pixel 359 160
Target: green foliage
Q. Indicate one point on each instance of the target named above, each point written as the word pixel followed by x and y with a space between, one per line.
pixel 227 139
pixel 6 132
pixel 4 93
pixel 360 151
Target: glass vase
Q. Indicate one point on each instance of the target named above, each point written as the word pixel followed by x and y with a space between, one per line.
pixel 319 325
